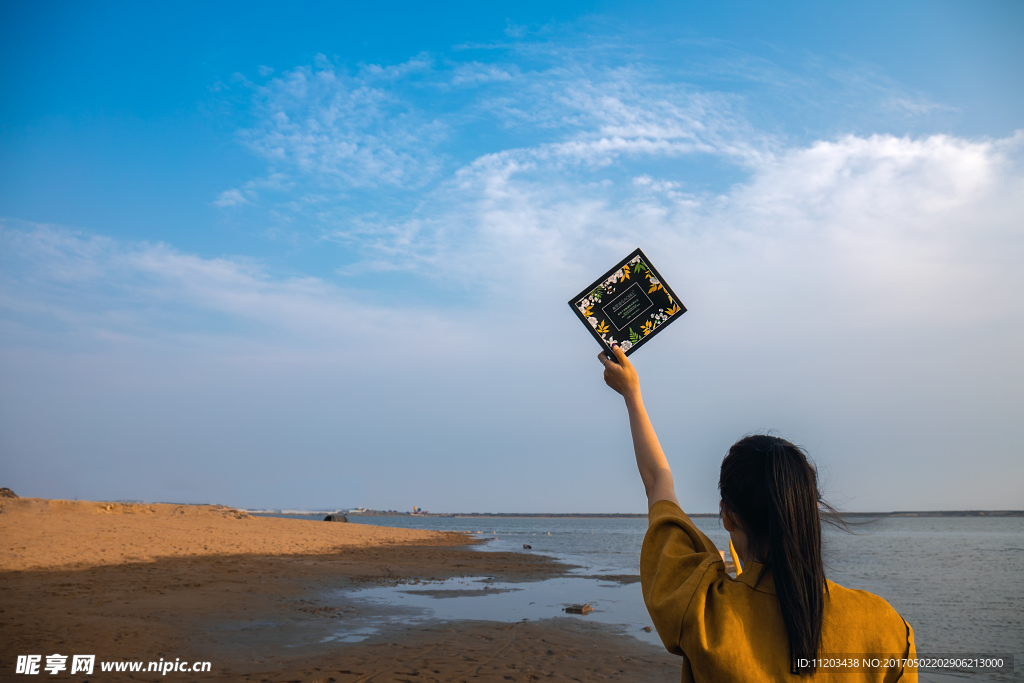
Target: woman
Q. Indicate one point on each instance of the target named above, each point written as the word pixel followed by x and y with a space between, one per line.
pixel 780 615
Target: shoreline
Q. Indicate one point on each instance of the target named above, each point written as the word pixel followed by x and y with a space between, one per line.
pixel 616 515
pixel 262 613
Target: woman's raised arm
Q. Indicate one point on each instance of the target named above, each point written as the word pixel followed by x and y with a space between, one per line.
pixel 650 459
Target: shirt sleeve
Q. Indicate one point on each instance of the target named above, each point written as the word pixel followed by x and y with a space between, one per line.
pixel 909 674
pixel 677 562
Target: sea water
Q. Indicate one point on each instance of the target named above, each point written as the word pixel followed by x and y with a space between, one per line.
pixel 959 581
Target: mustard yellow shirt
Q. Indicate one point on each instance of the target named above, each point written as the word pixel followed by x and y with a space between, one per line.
pixel 728 630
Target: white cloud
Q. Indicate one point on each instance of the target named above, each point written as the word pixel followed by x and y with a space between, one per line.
pixel 586 106
pixel 604 113
pixel 667 186
pixel 337 128
pixel 917 106
pixel 872 211
pixel 249 192
pixel 417 65
pixel 362 131
pixel 232 197
pixel 475 73
pixel 139 293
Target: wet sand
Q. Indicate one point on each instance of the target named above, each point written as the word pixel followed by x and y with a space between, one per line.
pixel 257 596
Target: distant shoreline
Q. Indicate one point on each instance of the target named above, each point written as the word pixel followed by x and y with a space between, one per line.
pixel 632 515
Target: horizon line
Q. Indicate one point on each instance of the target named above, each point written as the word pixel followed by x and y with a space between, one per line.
pixel 363 512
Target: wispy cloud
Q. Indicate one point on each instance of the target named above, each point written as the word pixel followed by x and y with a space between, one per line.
pixel 344 129
pixel 249 192
pixel 232 197
pixel 604 113
pixel 475 73
pixel 596 101
pixel 97 289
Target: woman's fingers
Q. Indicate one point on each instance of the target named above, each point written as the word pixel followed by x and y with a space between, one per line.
pixel 620 355
pixel 618 371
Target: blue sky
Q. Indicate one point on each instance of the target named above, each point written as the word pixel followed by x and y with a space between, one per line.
pixel 319 257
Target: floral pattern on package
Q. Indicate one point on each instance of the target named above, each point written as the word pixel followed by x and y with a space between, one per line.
pixel 628 305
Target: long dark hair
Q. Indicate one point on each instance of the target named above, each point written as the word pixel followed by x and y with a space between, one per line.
pixel 771 489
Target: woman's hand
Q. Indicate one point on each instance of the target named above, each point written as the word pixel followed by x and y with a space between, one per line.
pixel 620 376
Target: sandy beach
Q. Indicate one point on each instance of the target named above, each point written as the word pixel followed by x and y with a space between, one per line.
pixel 210 583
